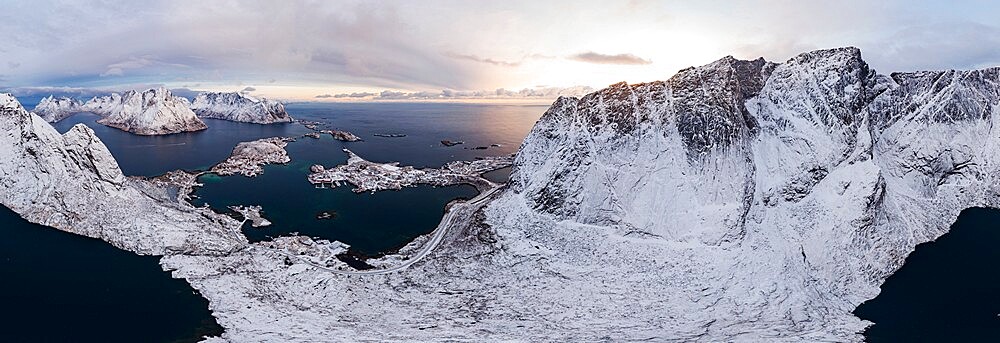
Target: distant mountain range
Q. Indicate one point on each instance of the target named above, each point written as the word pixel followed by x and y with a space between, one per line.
pixel 158 112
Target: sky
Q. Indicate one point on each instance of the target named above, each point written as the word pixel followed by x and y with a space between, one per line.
pixel 434 50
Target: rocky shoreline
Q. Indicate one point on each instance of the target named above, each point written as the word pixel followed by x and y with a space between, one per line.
pixel 252 214
pixel 367 176
pixel 249 158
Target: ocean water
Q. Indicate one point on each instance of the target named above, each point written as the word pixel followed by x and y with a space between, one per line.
pixel 129 298
pixel 156 155
pixel 60 287
pixel 946 291
pixel 370 223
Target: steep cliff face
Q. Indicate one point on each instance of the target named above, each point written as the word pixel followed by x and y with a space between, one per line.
pixel 53 109
pixel 793 189
pixel 152 112
pixel 71 182
pixel 240 108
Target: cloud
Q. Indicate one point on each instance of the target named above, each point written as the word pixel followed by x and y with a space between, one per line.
pixel 481 45
pixel 945 46
pixel 451 94
pixel 387 94
pixel 248 89
pixel 593 57
pixel 112 72
pixel 356 95
pixel 376 44
pixel 475 58
pixel 118 69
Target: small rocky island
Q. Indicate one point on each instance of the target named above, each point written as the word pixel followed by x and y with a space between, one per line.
pixel 152 112
pixel 369 176
pixel 239 107
pixel 248 158
pixel 53 109
pixel 252 214
pixel 342 135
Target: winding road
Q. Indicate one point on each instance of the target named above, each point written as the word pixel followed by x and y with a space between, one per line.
pixel 436 239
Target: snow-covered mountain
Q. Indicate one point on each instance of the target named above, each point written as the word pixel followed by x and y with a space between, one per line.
pixel 746 199
pixel 152 112
pixel 736 201
pixel 240 107
pixel 53 109
pixel 104 105
pixel 72 183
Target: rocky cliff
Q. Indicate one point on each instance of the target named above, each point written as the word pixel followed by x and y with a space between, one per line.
pixel 751 200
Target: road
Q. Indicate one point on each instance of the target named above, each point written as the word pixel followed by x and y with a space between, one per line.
pixel 436 239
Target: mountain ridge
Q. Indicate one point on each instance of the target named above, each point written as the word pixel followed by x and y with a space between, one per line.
pixel 737 201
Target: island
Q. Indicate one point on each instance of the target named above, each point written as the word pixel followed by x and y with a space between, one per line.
pixel 369 176
pixel 152 112
pixel 252 214
pixel 53 109
pixel 239 107
pixel 248 158
pixel 342 135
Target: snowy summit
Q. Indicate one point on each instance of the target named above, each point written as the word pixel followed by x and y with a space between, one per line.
pixel 55 109
pixel 152 112
pixel 239 107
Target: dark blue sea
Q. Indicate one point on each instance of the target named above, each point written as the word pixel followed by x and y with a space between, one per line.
pixel 947 291
pixel 78 282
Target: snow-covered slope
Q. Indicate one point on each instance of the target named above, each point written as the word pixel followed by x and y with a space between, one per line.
pixel 152 112
pixel 53 109
pixel 104 105
pixel 746 200
pixel 240 107
pixel 71 182
pixel 737 201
